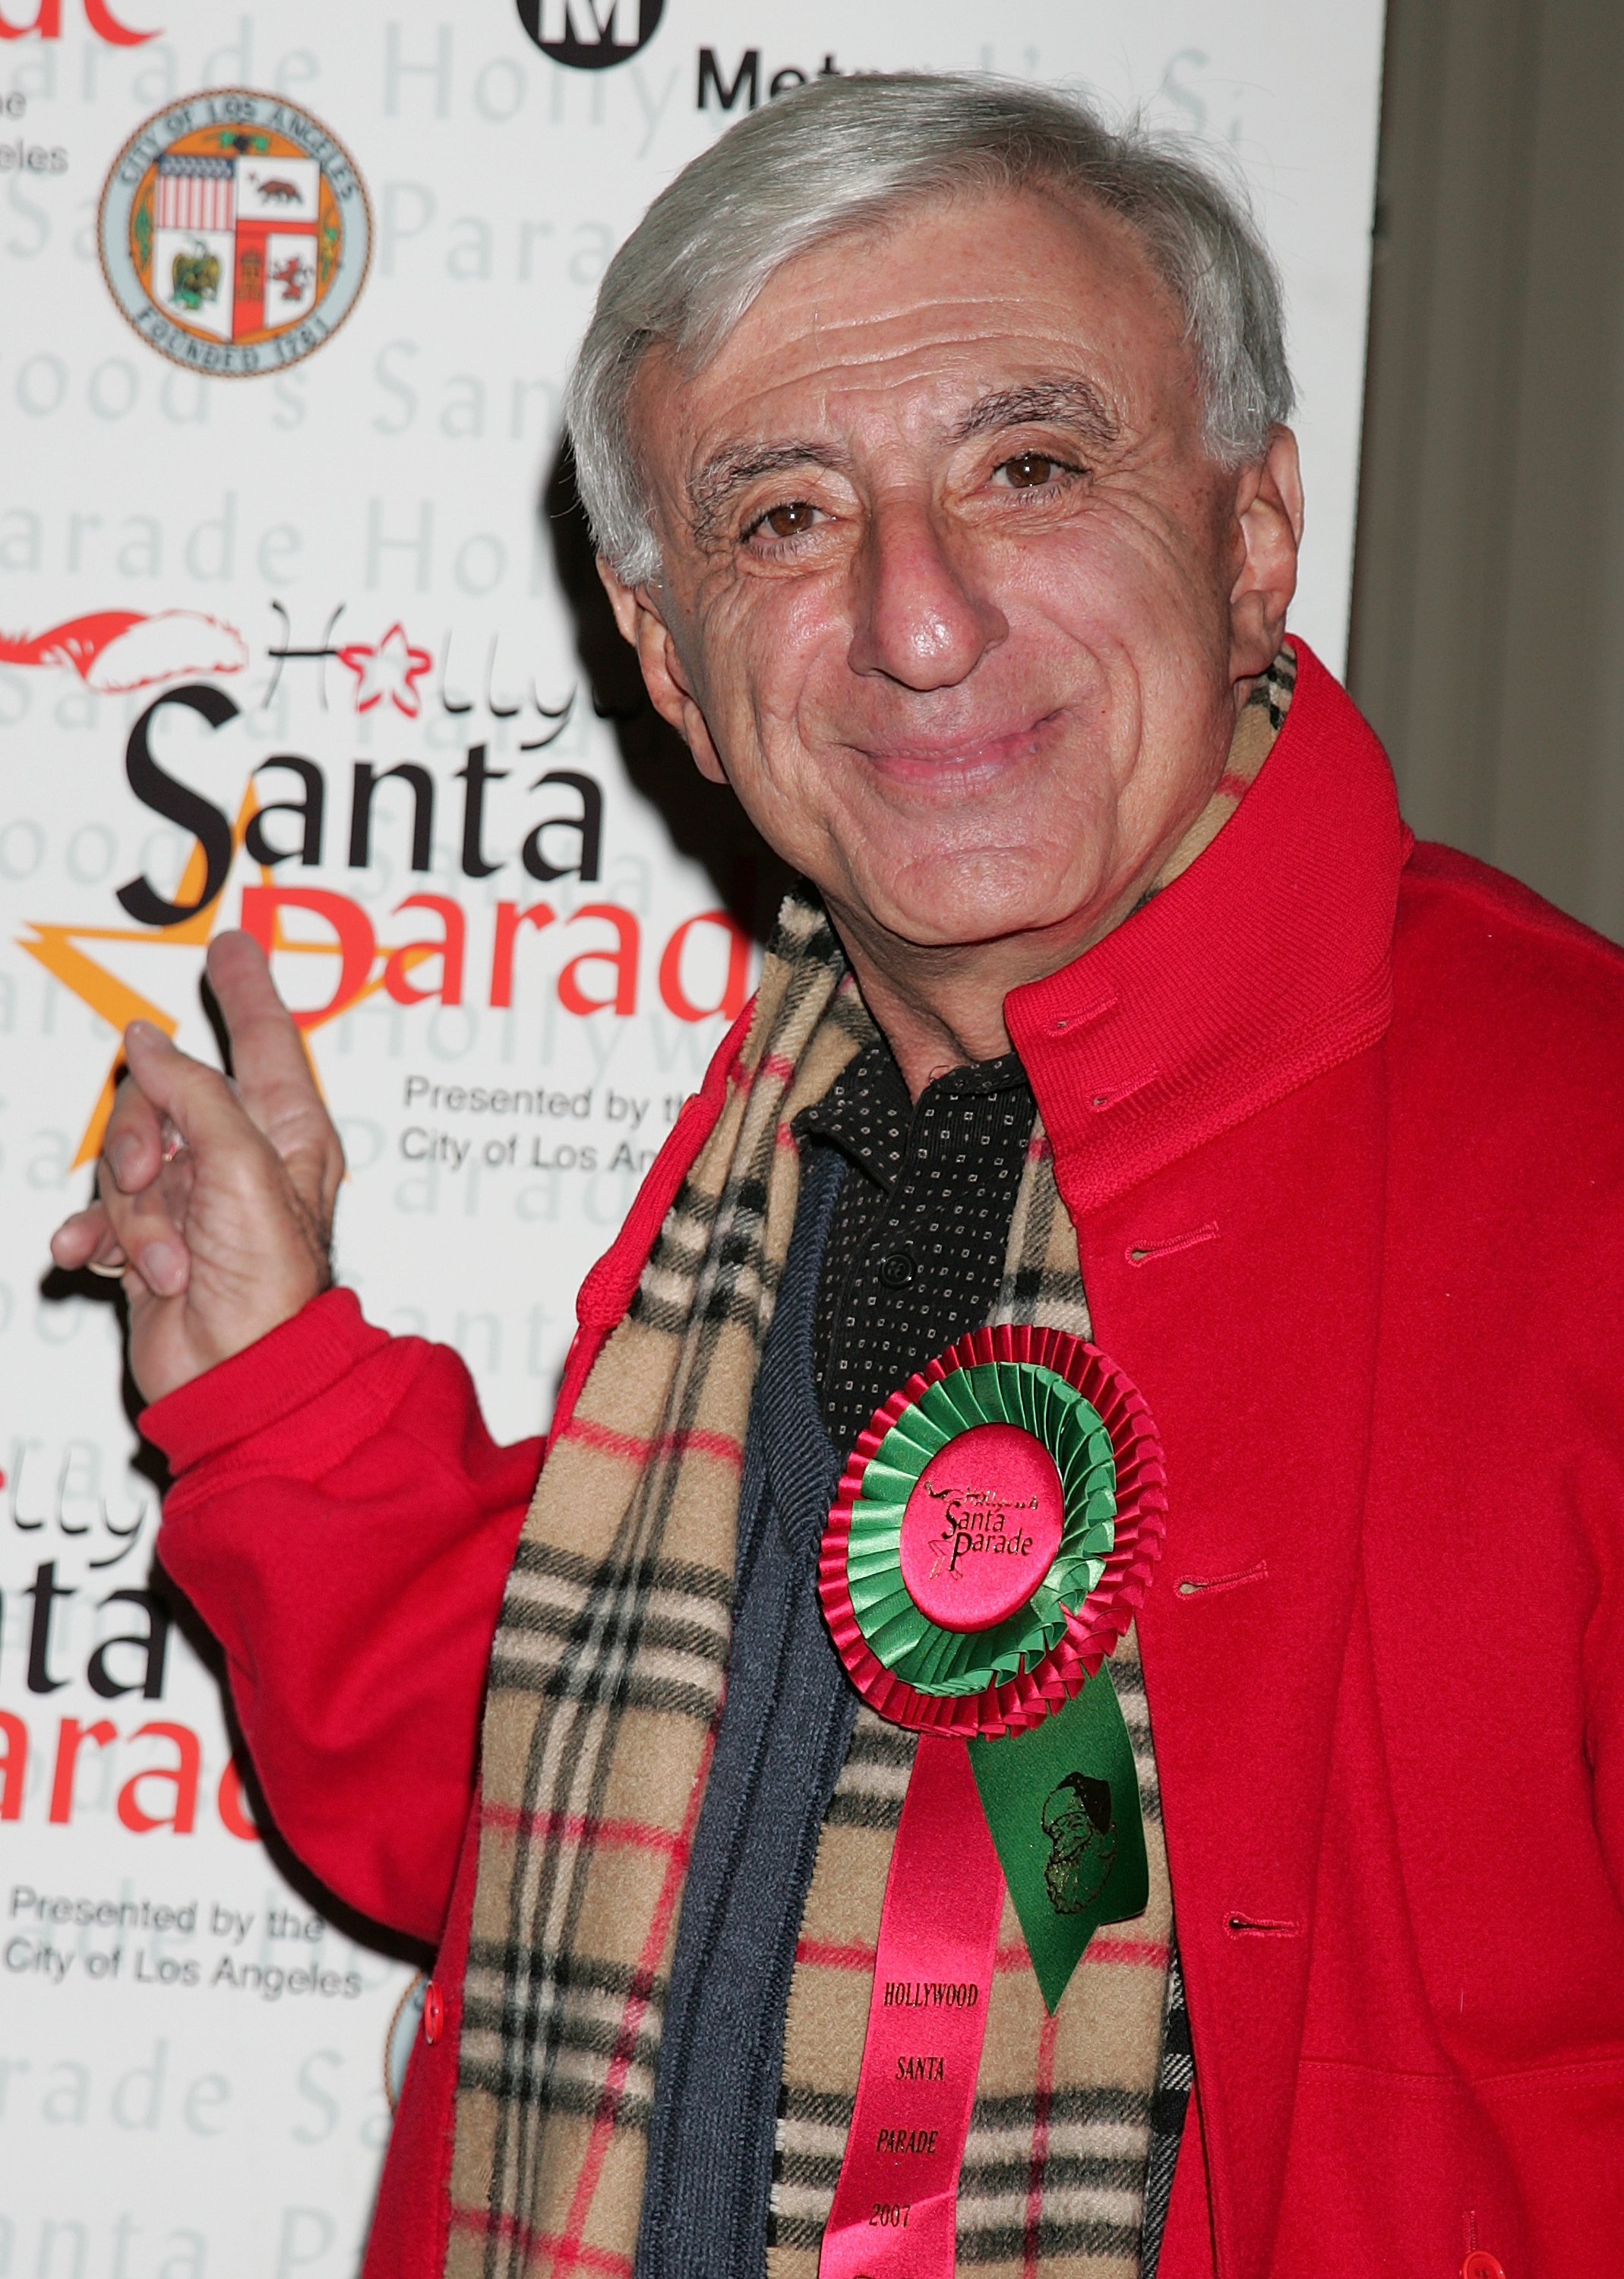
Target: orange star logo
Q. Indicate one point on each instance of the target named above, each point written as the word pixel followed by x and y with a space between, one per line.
pixel 58 948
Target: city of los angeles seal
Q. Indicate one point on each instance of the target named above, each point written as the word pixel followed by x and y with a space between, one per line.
pixel 234 231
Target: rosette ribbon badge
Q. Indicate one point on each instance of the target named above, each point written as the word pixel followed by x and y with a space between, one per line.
pixel 994 1533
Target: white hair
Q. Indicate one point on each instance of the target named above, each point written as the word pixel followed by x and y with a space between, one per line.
pixel 847 153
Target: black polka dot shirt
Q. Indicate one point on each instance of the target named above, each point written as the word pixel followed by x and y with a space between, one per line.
pixel 915 1251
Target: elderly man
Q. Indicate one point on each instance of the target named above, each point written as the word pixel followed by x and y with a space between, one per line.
pixel 818 1893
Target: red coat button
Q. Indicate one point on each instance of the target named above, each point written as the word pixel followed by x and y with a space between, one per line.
pixel 433 2026
pixel 1481 2265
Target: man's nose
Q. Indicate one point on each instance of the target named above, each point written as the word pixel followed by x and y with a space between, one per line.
pixel 921 618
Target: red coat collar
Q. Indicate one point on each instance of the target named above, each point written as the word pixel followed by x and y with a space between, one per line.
pixel 1267 962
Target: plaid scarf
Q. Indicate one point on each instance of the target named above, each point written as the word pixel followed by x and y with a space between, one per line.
pixel 605 1693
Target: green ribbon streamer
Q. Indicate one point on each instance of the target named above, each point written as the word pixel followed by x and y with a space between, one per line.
pixel 1062 1803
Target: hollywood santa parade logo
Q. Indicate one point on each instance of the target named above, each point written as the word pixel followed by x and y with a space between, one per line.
pixel 234 233
pixel 696 970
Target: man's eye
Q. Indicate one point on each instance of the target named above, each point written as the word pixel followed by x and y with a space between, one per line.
pixel 789 520
pixel 1030 470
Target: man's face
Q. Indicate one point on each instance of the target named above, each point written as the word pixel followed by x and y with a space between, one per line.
pixel 951 594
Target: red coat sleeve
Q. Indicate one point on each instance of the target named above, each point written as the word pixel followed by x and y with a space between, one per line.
pixel 344 1524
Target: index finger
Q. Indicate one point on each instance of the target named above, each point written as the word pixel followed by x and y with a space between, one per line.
pixel 268 1059
pixel 275 1080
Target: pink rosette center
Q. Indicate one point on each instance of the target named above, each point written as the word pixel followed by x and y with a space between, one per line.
pixel 982 1527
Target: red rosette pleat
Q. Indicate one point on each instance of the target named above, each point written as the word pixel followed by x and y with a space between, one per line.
pixel 1093 1628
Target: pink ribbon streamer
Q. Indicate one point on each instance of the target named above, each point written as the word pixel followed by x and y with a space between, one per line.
pixel 896 2203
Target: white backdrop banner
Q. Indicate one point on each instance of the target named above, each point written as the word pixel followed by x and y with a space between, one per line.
pixel 290 292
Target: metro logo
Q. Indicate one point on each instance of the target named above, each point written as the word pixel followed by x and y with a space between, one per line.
pixel 580 19
pixel 587 35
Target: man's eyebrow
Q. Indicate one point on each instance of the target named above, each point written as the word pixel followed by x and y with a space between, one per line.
pixel 726 472
pixel 1071 400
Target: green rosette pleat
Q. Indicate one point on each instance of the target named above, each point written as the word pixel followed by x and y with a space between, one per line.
pixel 934 1661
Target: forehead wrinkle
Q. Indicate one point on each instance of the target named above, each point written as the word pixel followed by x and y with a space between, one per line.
pixel 790 319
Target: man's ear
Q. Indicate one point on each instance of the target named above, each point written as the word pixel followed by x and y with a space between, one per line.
pixel 637 614
pixel 1268 516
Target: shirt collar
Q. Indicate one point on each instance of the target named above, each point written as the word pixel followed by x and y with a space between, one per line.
pixel 868 1115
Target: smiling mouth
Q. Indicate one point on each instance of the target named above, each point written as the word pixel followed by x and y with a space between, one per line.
pixel 959 763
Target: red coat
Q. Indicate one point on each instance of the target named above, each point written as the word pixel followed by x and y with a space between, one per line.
pixel 1340 1121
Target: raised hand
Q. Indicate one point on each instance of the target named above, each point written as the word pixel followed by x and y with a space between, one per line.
pixel 215 1196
